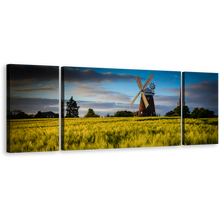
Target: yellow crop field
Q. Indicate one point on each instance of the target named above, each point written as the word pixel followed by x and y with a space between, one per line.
pixel 33 135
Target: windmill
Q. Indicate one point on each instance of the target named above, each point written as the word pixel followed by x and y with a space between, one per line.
pixel 146 107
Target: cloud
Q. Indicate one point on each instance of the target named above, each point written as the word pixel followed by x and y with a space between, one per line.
pixel 20 83
pixel 14 96
pixel 165 80
pixel 33 105
pixel 29 73
pixel 102 105
pixel 163 109
pixel 102 108
pixel 32 89
pixel 98 92
pixel 203 94
pixel 174 90
pixel 74 75
pixel 166 100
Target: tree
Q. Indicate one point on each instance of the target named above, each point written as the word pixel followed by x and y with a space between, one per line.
pixel 170 113
pixel 186 111
pixel 22 115
pixel 202 113
pixel 38 115
pixel 14 113
pixel 108 115
pixel 91 113
pixel 72 110
pixel 195 113
pixel 135 113
pixel 8 114
pixel 177 110
pixel 123 114
pixel 210 114
pixel 205 113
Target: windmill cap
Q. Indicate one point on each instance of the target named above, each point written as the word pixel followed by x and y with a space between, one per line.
pixel 147 91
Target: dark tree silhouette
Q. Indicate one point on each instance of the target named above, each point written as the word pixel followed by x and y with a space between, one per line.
pixel 186 111
pixel 91 113
pixel 72 110
pixel 124 114
pixel 22 115
pixel 202 113
pixel 170 113
pixel 38 115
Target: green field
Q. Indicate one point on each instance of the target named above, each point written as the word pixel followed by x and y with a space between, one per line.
pixel 32 135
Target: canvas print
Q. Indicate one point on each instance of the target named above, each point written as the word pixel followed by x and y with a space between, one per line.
pixel 202 98
pixel 32 108
pixel 106 108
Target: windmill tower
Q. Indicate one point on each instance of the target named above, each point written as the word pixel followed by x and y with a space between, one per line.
pixel 146 107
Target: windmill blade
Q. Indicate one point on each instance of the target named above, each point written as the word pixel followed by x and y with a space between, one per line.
pixel 134 99
pixel 145 100
pixel 148 81
pixel 138 82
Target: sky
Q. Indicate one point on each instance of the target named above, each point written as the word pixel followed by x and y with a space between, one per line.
pixel 36 88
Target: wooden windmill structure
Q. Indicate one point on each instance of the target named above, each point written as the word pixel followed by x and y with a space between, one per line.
pixel 146 107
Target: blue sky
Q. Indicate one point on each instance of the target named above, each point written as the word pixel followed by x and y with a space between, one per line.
pixel 36 88
pixel 120 92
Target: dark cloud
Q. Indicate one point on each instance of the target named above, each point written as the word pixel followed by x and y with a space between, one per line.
pixel 42 88
pixel 30 73
pixel 33 105
pixel 74 75
pixel 51 73
pixel 205 94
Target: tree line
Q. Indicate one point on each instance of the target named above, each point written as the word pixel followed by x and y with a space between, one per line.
pixel 196 113
pixel 72 111
pixel 19 114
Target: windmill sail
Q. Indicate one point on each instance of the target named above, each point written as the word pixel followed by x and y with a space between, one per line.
pixel 148 80
pixel 134 99
pixel 139 82
pixel 145 100
pixel 142 87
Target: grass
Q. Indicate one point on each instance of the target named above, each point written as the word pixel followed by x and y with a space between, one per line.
pixel 34 135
